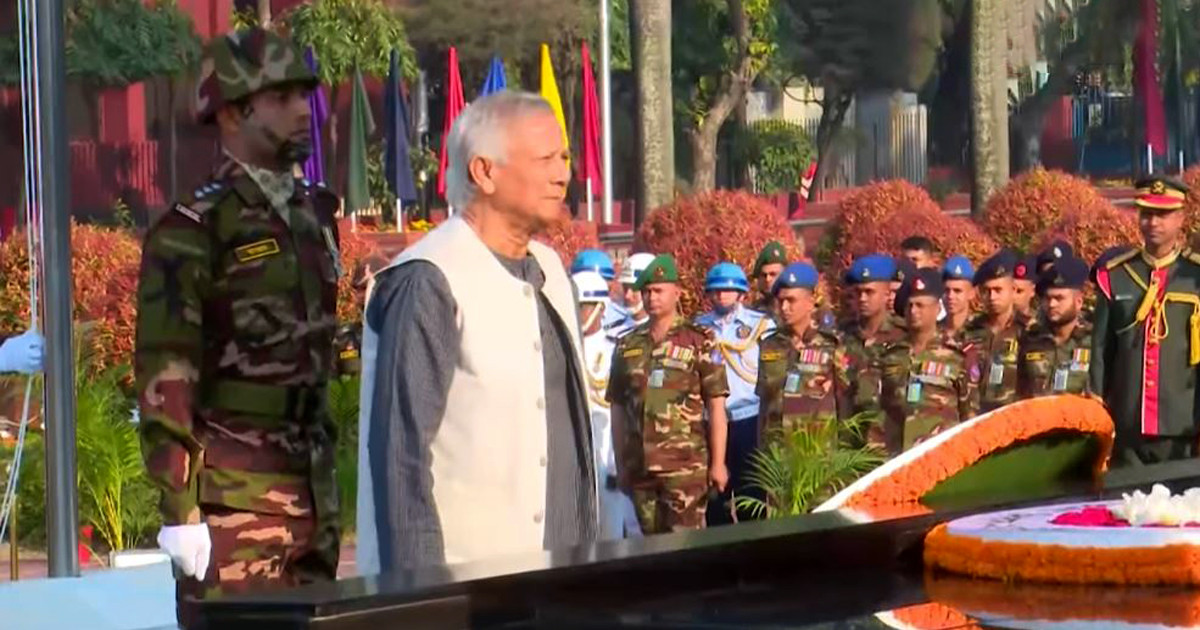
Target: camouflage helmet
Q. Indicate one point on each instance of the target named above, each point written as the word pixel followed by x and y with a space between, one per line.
pixel 244 62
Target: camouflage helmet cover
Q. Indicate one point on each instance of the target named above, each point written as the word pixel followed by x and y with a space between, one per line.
pixel 244 62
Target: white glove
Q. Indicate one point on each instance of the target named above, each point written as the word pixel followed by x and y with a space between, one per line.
pixel 22 353
pixel 189 547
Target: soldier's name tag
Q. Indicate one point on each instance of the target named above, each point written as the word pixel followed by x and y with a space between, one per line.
pixel 793 383
pixel 1035 356
pixel 772 356
pixel 657 377
pixel 914 391
pixel 257 250
pixel 348 354
pixel 187 212
pixel 996 374
pixel 1060 379
pixel 631 353
pixel 1122 297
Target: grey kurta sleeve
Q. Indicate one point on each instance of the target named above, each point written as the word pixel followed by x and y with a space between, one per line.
pixel 413 311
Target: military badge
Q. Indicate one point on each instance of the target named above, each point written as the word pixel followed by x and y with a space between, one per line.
pixel 743 331
pixel 187 212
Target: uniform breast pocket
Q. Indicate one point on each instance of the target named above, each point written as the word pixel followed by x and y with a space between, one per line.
pixel 257 285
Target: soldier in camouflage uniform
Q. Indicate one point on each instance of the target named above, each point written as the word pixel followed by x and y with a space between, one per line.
pixel 802 370
pixel 1055 352
pixel 870 279
pixel 767 267
pixel 236 316
pixel 958 276
pixel 664 378
pixel 996 332
pixel 929 378
pixel 1025 278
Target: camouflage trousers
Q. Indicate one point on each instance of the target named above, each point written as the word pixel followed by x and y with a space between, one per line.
pixel 255 551
pixel 668 504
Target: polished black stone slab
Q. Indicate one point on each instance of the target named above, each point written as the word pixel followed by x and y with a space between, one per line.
pixel 804 572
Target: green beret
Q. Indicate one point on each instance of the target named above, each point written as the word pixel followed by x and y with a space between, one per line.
pixel 772 253
pixel 661 269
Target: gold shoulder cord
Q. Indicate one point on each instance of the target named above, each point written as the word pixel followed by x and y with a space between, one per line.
pixel 734 361
pixel 1155 308
pixel 597 385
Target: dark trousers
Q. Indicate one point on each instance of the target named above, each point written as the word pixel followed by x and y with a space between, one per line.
pixel 743 440
pixel 1144 450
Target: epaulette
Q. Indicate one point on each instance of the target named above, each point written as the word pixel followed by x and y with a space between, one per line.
pixel 831 334
pixel 201 200
pixel 1122 259
pixel 1192 255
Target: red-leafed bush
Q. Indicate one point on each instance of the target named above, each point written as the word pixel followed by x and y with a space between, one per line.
pixel 878 217
pixel 355 250
pixel 1191 205
pixel 706 229
pixel 1022 211
pixel 568 238
pixel 1090 232
pixel 104 266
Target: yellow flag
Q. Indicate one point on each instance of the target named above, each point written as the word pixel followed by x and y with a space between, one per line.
pixel 549 92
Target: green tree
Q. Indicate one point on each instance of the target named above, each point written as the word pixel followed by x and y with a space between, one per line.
pixel 718 48
pixel 111 43
pixel 349 34
pixel 844 46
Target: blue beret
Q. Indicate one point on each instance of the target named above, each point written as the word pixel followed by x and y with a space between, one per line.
pixel 1064 273
pixel 1002 264
pixel 798 275
pixel 958 268
pixel 871 268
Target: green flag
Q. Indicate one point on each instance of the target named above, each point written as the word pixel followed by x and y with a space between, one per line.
pixel 358 193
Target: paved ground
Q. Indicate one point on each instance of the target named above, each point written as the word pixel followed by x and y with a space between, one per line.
pixel 33 564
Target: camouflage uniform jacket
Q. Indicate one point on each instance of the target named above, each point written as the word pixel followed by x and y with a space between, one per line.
pixel 928 391
pixel 802 382
pixel 235 325
pixel 662 388
pixel 997 359
pixel 864 354
pixel 1045 367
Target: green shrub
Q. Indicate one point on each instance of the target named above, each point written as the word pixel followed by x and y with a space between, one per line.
pixel 779 150
pixel 799 469
pixel 343 410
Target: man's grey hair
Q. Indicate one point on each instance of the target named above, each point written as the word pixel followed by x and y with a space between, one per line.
pixel 481 131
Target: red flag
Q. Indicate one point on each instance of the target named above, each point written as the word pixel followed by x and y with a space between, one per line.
pixel 454 105
pixel 1145 78
pixel 589 159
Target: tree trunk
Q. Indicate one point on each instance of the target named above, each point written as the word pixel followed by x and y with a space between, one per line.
pixel 985 128
pixel 732 90
pixel 703 142
pixel 835 103
pixel 173 138
pixel 650 26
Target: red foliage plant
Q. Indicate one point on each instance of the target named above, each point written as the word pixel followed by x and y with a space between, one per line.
pixel 1090 232
pixel 104 267
pixel 1033 202
pixel 878 217
pixel 568 238
pixel 355 252
pixel 709 228
pixel 1191 205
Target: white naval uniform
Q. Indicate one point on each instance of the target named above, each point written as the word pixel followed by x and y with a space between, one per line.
pixel 618 518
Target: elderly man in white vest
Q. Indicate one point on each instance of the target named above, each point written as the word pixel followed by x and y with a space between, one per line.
pixel 474 437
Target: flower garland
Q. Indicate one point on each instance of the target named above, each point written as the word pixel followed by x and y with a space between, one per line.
pixel 908 477
pixel 1175 564
pixel 931 615
pixel 1133 605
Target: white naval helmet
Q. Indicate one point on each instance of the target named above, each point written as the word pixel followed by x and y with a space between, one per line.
pixel 635 265
pixel 591 287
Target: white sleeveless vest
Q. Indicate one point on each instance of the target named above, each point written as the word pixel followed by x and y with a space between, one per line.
pixel 489 456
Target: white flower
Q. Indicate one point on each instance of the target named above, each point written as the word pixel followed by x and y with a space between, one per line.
pixel 1159 507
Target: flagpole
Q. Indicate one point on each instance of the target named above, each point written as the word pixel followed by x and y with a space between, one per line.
pixel 591 216
pixel 605 117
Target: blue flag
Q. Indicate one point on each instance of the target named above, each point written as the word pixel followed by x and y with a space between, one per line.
pixel 397 167
pixel 496 81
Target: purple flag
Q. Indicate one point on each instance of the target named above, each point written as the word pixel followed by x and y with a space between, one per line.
pixel 314 166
